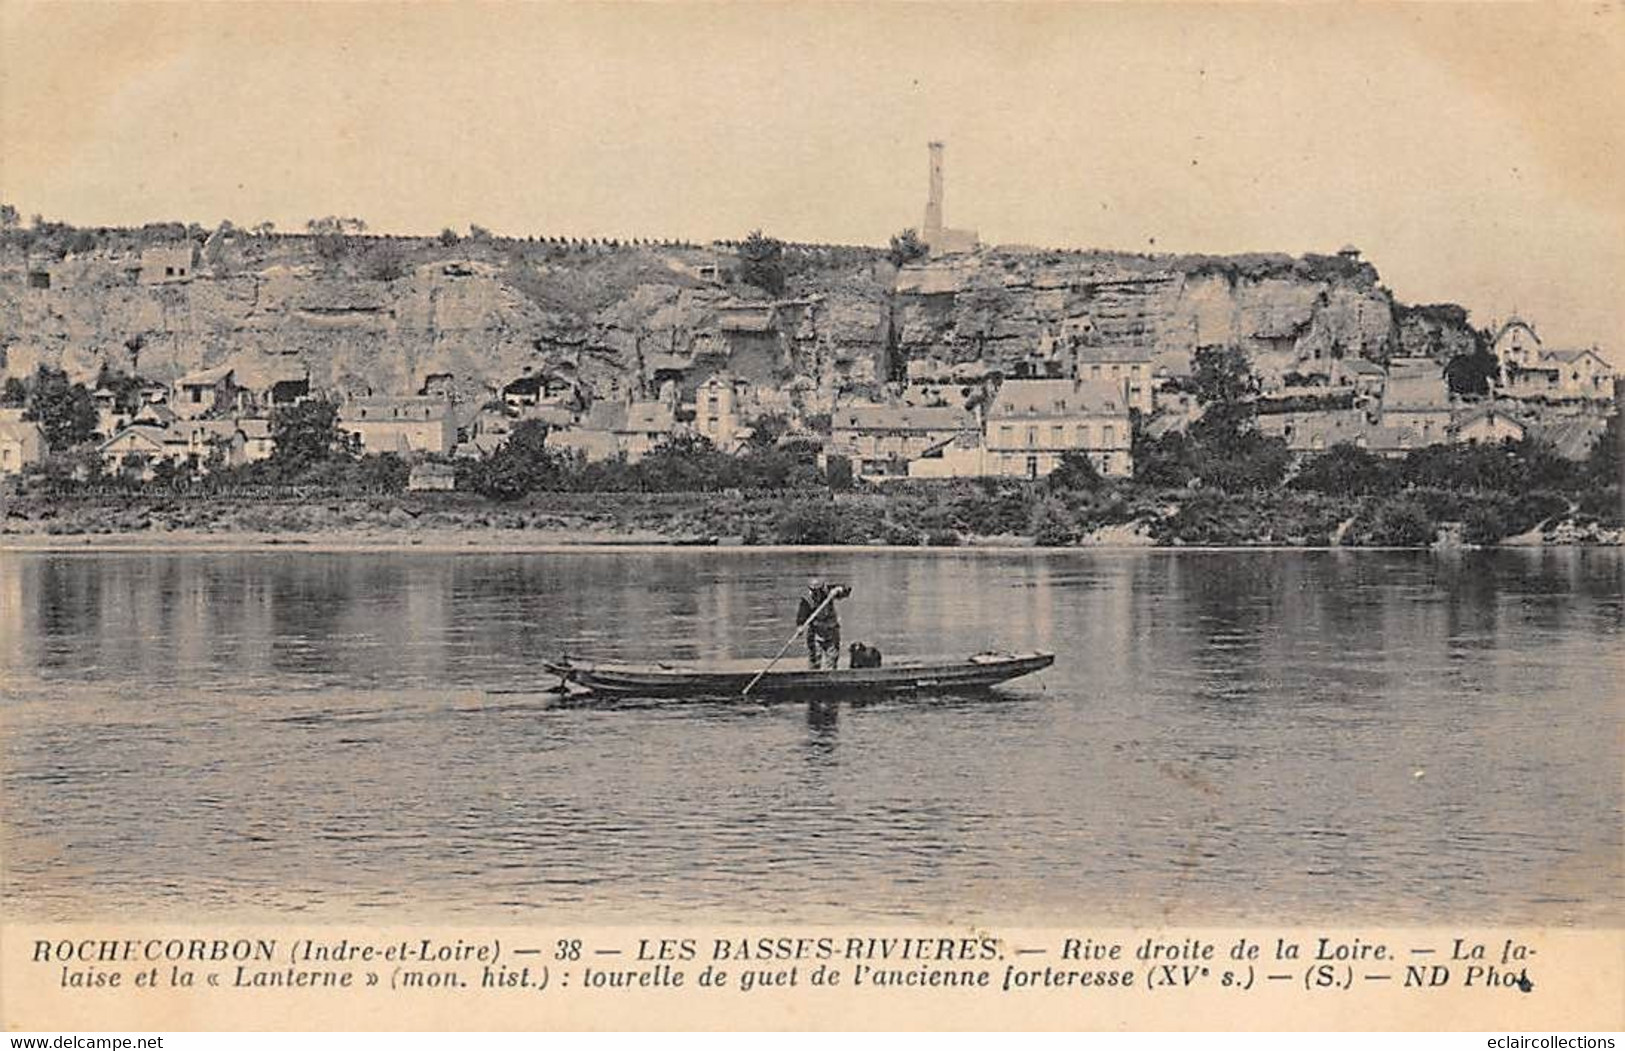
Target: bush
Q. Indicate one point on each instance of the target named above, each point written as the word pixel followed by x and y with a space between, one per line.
pixel 1402 522
pixel 817 522
pixel 1051 524
pixel 1604 505
pixel 1075 471
pixel 1258 464
pixel 1345 468
pixel 384 262
pixel 1485 526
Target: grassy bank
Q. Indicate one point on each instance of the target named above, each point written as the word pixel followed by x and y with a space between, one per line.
pixel 942 514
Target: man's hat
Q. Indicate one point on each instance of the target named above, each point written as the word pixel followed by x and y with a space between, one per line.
pixel 815 584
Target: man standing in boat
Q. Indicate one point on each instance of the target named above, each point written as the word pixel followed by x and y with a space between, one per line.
pixel 817 611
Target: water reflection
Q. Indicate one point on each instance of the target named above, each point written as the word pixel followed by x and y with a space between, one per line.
pixel 1248 734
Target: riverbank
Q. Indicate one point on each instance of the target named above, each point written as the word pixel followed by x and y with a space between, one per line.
pixel 992 518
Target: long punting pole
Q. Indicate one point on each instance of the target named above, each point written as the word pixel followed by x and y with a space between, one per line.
pixel 783 649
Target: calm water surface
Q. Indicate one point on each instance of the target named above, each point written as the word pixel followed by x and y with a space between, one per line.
pixel 1266 736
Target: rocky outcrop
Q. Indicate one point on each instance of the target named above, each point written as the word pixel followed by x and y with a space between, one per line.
pixel 1013 310
pixel 394 312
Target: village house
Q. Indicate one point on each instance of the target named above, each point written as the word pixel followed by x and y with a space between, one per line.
pixel 1032 424
pixel 207 393
pixel 192 442
pixel 1365 376
pixel 1574 375
pixel 257 442
pixel 1417 398
pixel 1529 371
pixel 485 432
pixel 1488 425
pixel 1310 432
pixel 537 389
pixel 1517 345
pixel 881 439
pixel 717 411
pixel 1126 366
pixel 22 442
pixel 614 429
pixel 206 438
pixel 645 425
pixel 953 395
pixel 409 424
pixel 166 264
pixel 1315 431
pixel 139 447
pixel 962 456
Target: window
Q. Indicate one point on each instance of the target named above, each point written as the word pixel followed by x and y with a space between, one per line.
pixel 1007 435
pixel 197 395
pixel 1108 435
pixel 1094 370
pixel 169 271
pixel 1032 437
pixel 1057 434
pixel 1032 467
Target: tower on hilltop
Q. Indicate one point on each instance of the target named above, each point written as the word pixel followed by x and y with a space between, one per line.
pixel 941 239
pixel 933 200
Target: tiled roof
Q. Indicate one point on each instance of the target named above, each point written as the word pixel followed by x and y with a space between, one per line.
pixel 1570 356
pixel 1128 355
pixel 205 377
pixel 902 418
pixel 1057 397
pixel 1363 367
pixel 156 435
pixel 1415 392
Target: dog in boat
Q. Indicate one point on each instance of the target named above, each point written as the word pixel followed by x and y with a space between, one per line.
pixel 863 656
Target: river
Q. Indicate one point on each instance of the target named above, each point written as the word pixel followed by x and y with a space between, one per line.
pixel 1225 736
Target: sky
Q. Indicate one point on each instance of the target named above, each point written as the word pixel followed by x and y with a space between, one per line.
pixel 1475 154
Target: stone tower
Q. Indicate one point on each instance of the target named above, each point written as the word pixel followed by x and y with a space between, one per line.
pixel 940 239
pixel 933 202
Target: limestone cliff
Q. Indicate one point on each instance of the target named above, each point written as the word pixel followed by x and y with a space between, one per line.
pixel 390 314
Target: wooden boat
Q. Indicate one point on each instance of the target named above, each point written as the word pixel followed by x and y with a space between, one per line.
pixel 728 678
